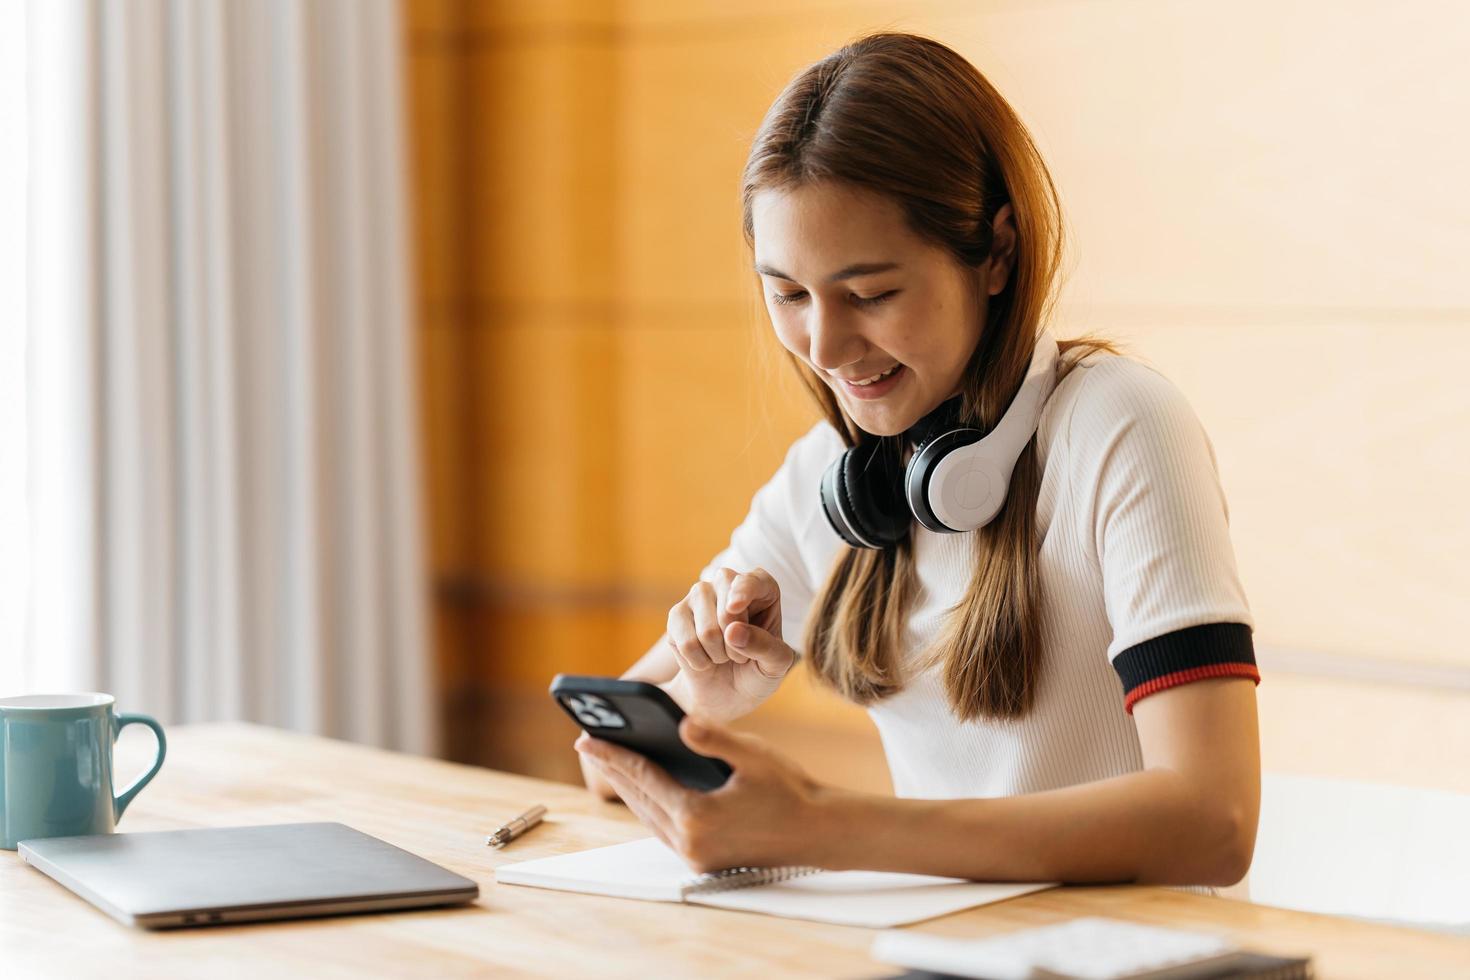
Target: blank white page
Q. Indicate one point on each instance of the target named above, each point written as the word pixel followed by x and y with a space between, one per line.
pixel 646 869
pixel 874 899
pixel 643 869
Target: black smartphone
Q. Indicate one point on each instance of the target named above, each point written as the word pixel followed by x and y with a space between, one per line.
pixel 639 716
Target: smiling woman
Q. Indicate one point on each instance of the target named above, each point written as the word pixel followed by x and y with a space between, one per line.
pixel 1064 684
pixel 956 212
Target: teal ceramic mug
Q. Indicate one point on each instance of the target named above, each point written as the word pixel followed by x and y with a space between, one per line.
pixel 56 766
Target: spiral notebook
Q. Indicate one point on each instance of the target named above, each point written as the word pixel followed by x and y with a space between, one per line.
pixel 646 869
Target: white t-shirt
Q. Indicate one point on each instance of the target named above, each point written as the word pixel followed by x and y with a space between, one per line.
pixel 1135 547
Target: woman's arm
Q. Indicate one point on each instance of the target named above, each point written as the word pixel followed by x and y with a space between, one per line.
pixel 1189 818
pixel 657 666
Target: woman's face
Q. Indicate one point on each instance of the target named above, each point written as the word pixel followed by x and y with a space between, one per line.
pixel 855 293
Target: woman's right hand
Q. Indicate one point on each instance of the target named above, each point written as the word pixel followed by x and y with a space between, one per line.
pixel 726 637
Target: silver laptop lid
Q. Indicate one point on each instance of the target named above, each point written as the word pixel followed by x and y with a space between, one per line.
pixel 234 874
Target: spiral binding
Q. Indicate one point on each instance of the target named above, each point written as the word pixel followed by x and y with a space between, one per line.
pixel 731 878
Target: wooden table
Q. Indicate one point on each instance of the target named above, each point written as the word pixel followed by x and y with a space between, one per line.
pixel 223 775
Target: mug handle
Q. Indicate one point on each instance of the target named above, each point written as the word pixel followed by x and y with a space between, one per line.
pixel 121 801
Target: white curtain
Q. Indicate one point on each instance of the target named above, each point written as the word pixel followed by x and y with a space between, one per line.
pixel 222 461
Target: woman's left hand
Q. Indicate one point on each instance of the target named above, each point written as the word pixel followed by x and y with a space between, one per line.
pixel 767 813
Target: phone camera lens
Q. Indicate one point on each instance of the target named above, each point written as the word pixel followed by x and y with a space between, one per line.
pixel 594 712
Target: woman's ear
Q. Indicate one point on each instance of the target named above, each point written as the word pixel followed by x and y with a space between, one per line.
pixel 1002 250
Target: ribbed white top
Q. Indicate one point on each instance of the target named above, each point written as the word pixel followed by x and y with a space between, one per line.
pixel 1133 526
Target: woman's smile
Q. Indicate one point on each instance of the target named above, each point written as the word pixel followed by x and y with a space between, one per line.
pixel 875 386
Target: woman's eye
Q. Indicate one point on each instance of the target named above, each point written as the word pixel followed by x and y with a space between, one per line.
pixel 782 299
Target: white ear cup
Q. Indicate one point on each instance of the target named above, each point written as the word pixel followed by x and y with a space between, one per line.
pixel 959 483
pixel 965 490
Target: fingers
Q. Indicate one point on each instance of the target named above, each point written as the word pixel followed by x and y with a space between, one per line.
pixel 595 780
pixel 647 812
pixel 699 625
pixel 753 592
pixel 652 779
pixel 772 656
pixel 723 578
pixel 647 789
pixel 707 628
pixel 696 625
pixel 683 636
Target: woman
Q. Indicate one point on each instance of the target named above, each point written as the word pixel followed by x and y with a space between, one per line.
pixel 1065 692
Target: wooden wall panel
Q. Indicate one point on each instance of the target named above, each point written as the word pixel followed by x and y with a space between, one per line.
pixel 824 20
pixel 546 420
pixel 516 21
pixel 443 405
pixel 541 198
pixel 505 19
pixel 434 78
pixel 698 437
pixel 691 102
pixel 515 193
pixel 434 81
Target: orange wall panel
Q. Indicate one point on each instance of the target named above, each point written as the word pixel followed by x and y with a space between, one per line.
pixel 542 193
pixel 433 78
pixel 546 422
pixel 697 438
pixel 443 404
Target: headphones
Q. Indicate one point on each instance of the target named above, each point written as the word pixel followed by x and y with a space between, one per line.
pixel 957 477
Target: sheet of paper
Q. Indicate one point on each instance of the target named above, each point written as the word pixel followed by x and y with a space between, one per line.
pixel 646 869
pixel 643 869
pixel 874 899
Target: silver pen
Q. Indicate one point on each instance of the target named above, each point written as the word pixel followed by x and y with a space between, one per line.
pixel 509 832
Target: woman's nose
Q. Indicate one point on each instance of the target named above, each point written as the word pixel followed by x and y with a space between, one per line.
pixel 832 343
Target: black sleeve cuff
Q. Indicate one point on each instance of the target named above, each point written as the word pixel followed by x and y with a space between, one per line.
pixel 1189 654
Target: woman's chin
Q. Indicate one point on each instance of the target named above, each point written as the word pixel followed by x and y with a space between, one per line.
pixel 879 420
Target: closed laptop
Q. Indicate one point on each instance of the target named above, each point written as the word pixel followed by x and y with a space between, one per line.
pixel 240 874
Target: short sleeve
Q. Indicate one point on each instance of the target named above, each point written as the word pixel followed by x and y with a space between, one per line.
pixel 1158 525
pixel 784 532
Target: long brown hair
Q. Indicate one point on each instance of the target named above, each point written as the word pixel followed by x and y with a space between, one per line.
pixel 907 117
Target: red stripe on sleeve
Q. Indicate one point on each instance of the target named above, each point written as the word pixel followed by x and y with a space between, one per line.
pixel 1185 676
